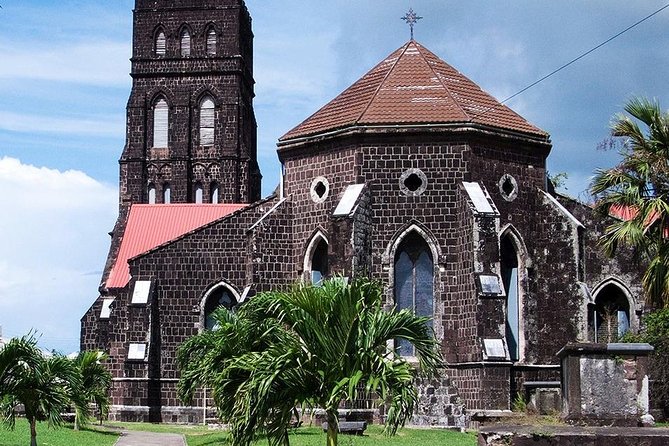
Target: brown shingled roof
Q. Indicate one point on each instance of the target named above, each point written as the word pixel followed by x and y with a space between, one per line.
pixel 412 86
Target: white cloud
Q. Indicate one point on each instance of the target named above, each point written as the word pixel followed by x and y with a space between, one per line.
pixel 53 235
pixel 102 63
pixel 31 123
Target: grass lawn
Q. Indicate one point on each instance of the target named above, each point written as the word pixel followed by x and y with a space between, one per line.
pixel 64 436
pixel 202 436
pixel 312 436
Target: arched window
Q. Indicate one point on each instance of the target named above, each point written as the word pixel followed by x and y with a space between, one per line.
pixel 199 192
pixel 152 193
pixel 167 193
pixel 221 296
pixel 213 192
pixel 161 43
pixel 414 282
pixel 316 259
pixel 185 43
pixel 509 269
pixel 609 318
pixel 211 42
pixel 160 123
pixel 207 113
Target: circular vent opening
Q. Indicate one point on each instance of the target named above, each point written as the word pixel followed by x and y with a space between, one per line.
pixel 508 187
pixel 413 182
pixel 320 189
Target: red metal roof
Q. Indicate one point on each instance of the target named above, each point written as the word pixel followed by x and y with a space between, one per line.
pixel 151 225
pixel 412 86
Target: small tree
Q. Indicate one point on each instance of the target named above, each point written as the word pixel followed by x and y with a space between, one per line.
pixel 95 383
pixel 44 386
pixel 310 347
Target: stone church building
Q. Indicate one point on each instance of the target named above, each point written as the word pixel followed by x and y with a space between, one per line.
pixel 413 175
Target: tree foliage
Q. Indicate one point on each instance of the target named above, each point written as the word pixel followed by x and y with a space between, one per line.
pixel 45 387
pixel 307 347
pixel 639 188
pixel 95 383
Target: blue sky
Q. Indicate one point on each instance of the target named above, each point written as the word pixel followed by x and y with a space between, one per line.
pixel 64 85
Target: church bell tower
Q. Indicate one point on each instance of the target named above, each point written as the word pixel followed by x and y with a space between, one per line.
pixel 191 129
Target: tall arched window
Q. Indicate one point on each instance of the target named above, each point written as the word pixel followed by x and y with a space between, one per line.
pixel 167 193
pixel 509 269
pixel 213 192
pixel 220 296
pixel 199 193
pixel 161 43
pixel 319 263
pixel 152 193
pixel 207 117
pixel 160 123
pixel 414 282
pixel 211 42
pixel 185 43
pixel 609 318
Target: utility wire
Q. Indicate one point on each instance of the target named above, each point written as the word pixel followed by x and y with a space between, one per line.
pixel 557 70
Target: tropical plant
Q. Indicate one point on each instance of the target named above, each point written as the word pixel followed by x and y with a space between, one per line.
pixel 307 347
pixel 637 190
pixel 95 383
pixel 44 386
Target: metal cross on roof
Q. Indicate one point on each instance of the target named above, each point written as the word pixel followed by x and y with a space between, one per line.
pixel 411 18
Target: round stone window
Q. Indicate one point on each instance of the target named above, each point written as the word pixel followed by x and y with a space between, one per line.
pixel 508 187
pixel 413 182
pixel 320 188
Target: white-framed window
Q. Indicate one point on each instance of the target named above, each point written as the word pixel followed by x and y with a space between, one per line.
pixel 207 119
pixel 199 193
pixel 167 193
pixel 137 352
pixel 213 192
pixel 160 123
pixel 151 191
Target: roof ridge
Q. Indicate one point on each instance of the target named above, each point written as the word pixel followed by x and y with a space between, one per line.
pixel 448 91
pixel 385 78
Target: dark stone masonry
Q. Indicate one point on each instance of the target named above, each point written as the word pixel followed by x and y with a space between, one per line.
pixel 413 176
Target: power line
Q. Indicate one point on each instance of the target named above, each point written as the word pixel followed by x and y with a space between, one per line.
pixel 576 59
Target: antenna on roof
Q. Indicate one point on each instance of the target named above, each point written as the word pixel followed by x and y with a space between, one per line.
pixel 411 18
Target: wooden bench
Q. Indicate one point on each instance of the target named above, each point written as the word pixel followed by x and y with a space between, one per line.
pixel 349 427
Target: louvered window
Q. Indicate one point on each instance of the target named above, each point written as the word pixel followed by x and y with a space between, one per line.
pixel 160 123
pixel 207 112
pixel 211 42
pixel 161 44
pixel 185 43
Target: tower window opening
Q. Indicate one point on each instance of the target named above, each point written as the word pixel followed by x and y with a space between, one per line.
pixel 167 194
pixel 185 43
pixel 211 42
pixel 161 43
pixel 160 123
pixel 152 194
pixel 199 193
pixel 207 118
pixel 214 192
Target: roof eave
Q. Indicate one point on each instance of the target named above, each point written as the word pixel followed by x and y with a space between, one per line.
pixel 289 144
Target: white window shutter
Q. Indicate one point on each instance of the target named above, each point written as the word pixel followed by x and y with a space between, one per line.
pixel 211 42
pixel 207 118
pixel 160 123
pixel 152 194
pixel 161 44
pixel 185 43
pixel 198 193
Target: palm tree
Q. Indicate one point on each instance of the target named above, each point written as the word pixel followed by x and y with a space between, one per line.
pixel 44 386
pixel 95 383
pixel 308 347
pixel 638 190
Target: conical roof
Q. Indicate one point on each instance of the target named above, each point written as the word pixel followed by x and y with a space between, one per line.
pixel 413 86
